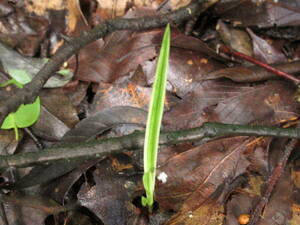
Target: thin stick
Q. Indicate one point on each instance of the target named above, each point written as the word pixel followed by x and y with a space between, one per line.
pixel 135 141
pixel 3 214
pixel 38 144
pixel 280 73
pixel 272 181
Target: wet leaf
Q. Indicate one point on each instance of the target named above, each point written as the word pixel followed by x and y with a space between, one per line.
pixel 237 39
pixel 239 204
pixel 102 121
pixel 49 126
pixel 122 50
pixel 263 14
pixel 197 175
pixel 186 67
pixel 211 213
pixel 45 204
pixel 278 209
pixel 110 198
pixel 58 115
pixel 263 104
pixel 265 51
pixel 59 188
pixel 8 143
pixel 191 111
pixel 111 9
pixel 24 215
pixel 22 30
pixel 27 210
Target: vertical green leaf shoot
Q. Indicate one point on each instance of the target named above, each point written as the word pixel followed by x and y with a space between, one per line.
pixel 154 120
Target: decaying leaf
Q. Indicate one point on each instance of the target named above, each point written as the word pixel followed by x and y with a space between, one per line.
pixel 211 213
pixel 265 51
pixel 237 39
pixel 262 14
pixel 198 174
pixel 104 120
pixel 110 198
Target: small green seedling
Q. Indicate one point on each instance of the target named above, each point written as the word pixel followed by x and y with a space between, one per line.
pixel 26 115
pixel 156 108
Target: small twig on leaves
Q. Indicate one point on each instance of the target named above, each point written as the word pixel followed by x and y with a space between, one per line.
pixel 73 45
pixel 272 181
pixel 38 144
pixel 3 214
pixel 240 55
pixel 135 141
pixel 253 73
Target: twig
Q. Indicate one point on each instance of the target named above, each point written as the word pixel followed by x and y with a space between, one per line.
pixel 253 73
pixel 31 90
pixel 135 141
pixel 272 181
pixel 38 144
pixel 280 73
pixel 3 214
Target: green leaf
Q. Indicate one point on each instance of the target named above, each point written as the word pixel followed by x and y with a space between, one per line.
pixel 154 120
pixel 64 72
pixel 25 116
pixel 12 60
pixel 11 81
pixel 20 76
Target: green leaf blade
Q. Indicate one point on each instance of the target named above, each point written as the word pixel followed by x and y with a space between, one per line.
pixel 21 76
pixel 28 114
pixel 154 119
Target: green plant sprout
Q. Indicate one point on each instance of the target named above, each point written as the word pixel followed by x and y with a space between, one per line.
pixel 155 114
pixel 26 115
